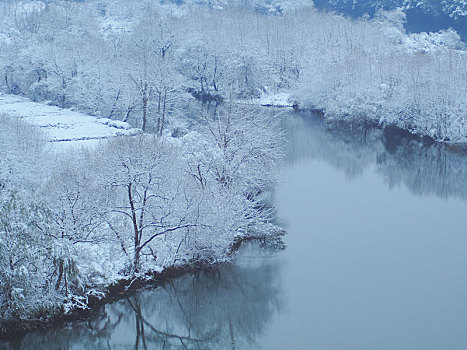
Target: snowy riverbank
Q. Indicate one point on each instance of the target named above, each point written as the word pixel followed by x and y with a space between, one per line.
pixel 121 289
pixel 75 224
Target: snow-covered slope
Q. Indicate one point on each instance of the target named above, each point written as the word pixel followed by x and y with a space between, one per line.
pixel 64 125
pixel 422 15
pixel 451 8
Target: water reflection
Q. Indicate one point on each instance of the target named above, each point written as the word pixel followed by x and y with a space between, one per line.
pixel 370 266
pixel 226 308
pixel 424 167
pixel 346 147
pixel 366 267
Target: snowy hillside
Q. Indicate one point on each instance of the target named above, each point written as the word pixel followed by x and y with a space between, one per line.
pixel 451 8
pixel 422 15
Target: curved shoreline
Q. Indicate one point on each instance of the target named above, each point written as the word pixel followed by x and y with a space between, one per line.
pixel 123 288
pixel 388 128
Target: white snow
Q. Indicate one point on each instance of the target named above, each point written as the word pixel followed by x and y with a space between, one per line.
pixel 67 127
pixel 278 100
pixel 281 99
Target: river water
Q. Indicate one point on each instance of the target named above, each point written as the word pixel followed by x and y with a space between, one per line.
pixel 376 258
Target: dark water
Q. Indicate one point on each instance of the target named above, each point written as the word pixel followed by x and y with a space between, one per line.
pixel 376 258
pixel 218 309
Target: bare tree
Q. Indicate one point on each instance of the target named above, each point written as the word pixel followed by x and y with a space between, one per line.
pixel 149 50
pixel 152 199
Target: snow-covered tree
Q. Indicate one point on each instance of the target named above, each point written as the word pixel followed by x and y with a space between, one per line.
pixel 26 283
pixel 151 192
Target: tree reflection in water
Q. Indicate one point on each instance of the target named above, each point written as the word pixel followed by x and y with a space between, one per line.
pixel 426 168
pixel 231 307
pixel 225 308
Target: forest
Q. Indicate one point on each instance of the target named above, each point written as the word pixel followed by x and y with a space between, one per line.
pixel 191 77
pixel 131 60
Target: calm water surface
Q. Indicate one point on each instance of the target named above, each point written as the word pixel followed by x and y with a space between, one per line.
pixel 376 258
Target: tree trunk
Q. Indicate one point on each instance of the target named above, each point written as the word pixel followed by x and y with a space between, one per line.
pixel 8 90
pixel 128 112
pixel 158 112
pixel 60 274
pixel 64 92
pixel 145 112
pixel 136 229
pixel 214 78
pixel 114 106
pixel 136 258
pixel 163 113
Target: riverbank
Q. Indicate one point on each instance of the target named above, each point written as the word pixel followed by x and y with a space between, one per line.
pixel 127 286
pixel 396 126
pixel 116 291
pixel 367 188
pixel 427 125
pixel 144 206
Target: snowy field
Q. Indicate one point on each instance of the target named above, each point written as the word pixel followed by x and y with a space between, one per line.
pixel 276 100
pixel 64 126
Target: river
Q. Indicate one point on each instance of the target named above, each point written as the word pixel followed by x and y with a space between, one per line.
pixel 375 258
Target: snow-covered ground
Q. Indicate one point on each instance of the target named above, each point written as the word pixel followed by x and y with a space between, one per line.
pixel 281 99
pixel 65 126
pixel 277 100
